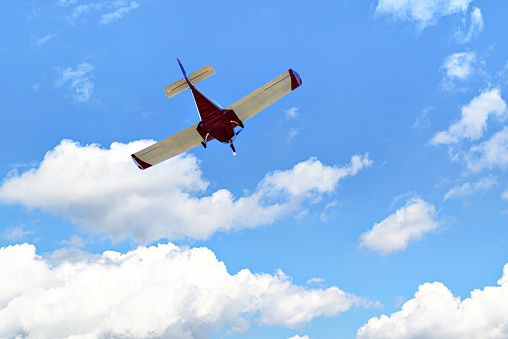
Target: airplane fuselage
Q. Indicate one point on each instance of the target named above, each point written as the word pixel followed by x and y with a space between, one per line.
pixel 216 122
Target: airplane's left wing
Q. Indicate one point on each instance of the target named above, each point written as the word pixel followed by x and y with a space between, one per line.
pixel 266 95
pixel 167 148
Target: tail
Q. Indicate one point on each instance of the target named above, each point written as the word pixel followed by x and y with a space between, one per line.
pixel 194 78
pixel 183 70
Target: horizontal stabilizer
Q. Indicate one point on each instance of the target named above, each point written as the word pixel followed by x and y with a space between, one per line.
pixel 194 77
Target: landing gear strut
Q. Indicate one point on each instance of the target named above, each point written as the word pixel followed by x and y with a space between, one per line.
pixel 232 147
pixel 204 141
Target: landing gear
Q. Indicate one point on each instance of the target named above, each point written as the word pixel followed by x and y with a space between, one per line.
pixel 239 123
pixel 232 147
pixel 204 141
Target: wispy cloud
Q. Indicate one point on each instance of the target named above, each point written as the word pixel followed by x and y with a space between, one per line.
pixel 117 14
pixel 423 12
pixel 170 291
pixel 102 190
pixel 407 224
pixel 115 10
pixel 474 117
pixel 39 42
pixel 468 188
pixel 16 233
pixel 79 81
pixel 291 113
pixel 475 27
pixel 490 153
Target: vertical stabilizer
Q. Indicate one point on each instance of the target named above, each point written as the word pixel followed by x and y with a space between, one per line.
pixel 183 70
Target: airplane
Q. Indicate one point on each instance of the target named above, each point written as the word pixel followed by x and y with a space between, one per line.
pixel 216 122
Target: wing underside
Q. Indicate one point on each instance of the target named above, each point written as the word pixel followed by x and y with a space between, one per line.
pixel 167 148
pixel 266 95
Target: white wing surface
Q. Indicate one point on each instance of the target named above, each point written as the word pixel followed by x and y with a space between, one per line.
pixel 167 148
pixel 266 95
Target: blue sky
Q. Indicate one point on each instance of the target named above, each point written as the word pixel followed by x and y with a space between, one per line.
pixel 371 202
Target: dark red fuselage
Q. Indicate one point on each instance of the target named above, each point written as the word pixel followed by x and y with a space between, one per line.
pixel 216 122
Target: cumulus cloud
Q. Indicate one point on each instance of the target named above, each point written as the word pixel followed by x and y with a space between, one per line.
pixel 468 189
pixel 156 292
pixel 475 28
pixel 79 81
pixel 423 12
pixel 490 153
pixel 102 189
pixel 296 336
pixel 408 223
pixel 474 117
pixel 435 312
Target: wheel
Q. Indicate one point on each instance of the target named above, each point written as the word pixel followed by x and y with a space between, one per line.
pixel 203 143
pixel 240 124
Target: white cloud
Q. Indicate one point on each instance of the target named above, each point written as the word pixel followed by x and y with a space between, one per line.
pixel 79 80
pixel 296 336
pixel 424 12
pixel 103 190
pixel 119 9
pixel 66 2
pixel 459 65
pixel 474 117
pixel 291 113
pixel 118 13
pixel 164 291
pixel 475 27
pixel 490 153
pixel 468 188
pixel 435 312
pixel 408 223
pixel 16 233
pixel 505 195
pixel 314 281
pixel 39 42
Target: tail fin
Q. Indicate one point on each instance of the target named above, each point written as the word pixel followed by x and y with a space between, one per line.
pixel 183 70
pixel 194 77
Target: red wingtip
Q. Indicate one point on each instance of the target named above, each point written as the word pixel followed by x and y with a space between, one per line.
pixel 296 81
pixel 140 163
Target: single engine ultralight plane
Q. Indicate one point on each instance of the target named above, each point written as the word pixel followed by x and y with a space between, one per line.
pixel 216 122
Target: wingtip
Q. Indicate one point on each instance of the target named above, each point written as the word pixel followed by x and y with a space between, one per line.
pixel 140 163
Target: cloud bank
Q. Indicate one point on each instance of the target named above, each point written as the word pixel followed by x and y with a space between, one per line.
pixel 408 223
pixel 435 312
pixel 156 292
pixel 103 190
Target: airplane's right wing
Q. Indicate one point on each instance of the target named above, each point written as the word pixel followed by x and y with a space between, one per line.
pixel 263 97
pixel 167 148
